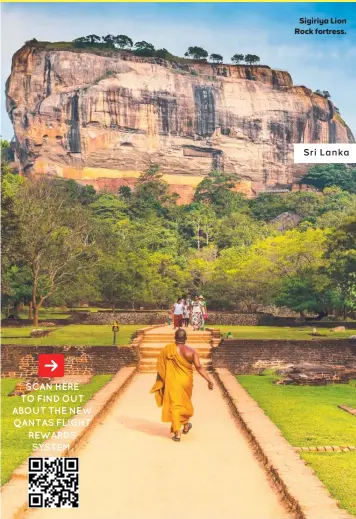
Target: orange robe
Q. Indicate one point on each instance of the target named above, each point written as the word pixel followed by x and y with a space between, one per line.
pixel 174 386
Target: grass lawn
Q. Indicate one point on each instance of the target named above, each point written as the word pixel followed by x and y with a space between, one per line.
pixel 277 332
pixel 46 313
pixel 338 472
pixel 16 446
pixel 309 416
pixel 71 335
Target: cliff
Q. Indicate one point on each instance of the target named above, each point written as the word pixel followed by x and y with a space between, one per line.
pixel 102 117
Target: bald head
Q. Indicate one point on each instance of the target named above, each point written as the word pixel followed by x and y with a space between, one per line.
pixel 180 336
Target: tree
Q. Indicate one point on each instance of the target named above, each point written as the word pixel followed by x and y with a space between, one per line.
pixel 216 188
pixel 93 38
pixel 251 58
pixel 196 53
pixel 267 206
pixel 54 238
pixel 239 230
pixel 216 58
pixel 341 263
pixel 307 294
pixel 125 193
pixel 109 39
pixel 326 94
pixel 202 220
pixel 163 53
pixel 327 175
pixel 123 42
pixel 237 58
pixel 142 48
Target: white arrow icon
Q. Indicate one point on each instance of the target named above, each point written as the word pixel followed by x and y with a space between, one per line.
pixel 53 365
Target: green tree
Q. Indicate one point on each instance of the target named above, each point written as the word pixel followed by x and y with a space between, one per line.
pixel 341 263
pixel 123 42
pixel 109 39
pixel 54 238
pixel 310 294
pixel 327 175
pixel 267 206
pixel 142 48
pixel 163 53
pixel 251 58
pixel 237 58
pixel 216 58
pixel 239 230
pixel 216 188
pixel 196 53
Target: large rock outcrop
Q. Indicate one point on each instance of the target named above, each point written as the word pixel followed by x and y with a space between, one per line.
pixel 103 117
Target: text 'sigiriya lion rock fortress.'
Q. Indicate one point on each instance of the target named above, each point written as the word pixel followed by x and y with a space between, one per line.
pixel 103 118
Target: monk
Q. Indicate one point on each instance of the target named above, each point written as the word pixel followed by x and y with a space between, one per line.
pixel 174 383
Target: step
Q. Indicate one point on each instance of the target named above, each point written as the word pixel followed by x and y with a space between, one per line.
pixel 161 345
pixel 170 338
pixel 152 369
pixel 154 353
pixel 152 363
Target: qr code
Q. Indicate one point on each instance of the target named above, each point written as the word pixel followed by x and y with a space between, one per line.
pixel 53 482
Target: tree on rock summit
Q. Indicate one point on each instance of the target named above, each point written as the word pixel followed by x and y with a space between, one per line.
pixel 196 53
pixel 123 41
pixel 216 58
pixel 236 58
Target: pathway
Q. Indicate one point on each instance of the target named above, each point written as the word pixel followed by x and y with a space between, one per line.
pixel 131 469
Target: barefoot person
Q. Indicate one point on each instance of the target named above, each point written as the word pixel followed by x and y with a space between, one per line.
pixel 174 383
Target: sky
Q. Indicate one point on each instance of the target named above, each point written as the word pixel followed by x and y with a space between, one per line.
pixel 325 62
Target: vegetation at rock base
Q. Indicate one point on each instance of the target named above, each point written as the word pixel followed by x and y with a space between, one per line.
pixel 140 247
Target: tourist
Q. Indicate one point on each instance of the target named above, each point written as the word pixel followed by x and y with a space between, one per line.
pixel 186 313
pixel 174 384
pixel 177 310
pixel 197 314
pixel 205 311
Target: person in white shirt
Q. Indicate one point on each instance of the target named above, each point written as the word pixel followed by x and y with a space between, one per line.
pixel 177 310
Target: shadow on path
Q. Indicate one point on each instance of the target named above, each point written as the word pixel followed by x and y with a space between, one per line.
pixel 145 426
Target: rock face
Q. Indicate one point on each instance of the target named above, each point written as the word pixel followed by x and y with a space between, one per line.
pixel 102 117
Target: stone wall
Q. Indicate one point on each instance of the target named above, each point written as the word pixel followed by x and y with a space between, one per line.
pixel 144 318
pixel 249 356
pixel 18 361
pixel 233 318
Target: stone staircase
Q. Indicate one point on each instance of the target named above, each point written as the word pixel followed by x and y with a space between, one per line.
pixel 153 340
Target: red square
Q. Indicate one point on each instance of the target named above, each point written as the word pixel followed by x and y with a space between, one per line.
pixel 51 365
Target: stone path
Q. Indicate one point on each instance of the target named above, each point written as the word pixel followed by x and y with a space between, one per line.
pixel 131 469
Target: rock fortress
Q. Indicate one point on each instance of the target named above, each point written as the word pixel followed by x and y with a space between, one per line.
pixel 101 117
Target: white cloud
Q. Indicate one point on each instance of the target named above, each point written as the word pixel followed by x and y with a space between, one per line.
pixel 327 65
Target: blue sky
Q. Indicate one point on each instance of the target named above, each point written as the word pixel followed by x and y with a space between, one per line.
pixel 316 61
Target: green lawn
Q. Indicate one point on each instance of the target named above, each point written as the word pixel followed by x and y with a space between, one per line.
pixel 309 416
pixel 46 313
pixel 338 472
pixel 277 332
pixel 16 446
pixel 71 335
